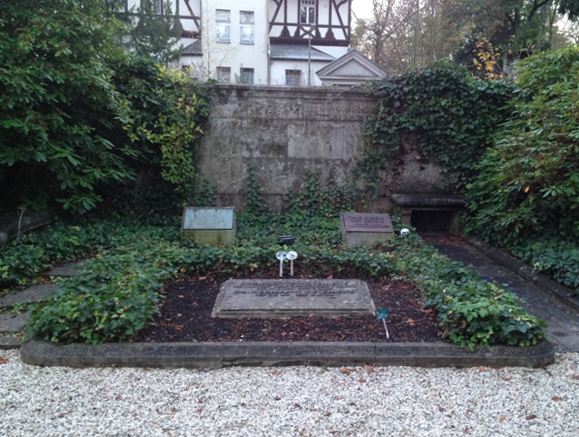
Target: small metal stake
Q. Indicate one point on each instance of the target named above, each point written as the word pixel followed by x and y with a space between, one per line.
pixel 292 255
pixel 382 314
pixel 386 328
pixel 282 257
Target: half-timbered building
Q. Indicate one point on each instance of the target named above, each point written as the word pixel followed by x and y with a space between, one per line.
pixel 262 42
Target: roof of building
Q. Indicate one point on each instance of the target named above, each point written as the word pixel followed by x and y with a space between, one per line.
pixel 352 66
pixel 298 52
pixel 193 49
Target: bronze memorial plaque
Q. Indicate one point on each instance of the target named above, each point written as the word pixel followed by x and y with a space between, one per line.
pixel 280 298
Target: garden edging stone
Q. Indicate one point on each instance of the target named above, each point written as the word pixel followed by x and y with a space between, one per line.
pixel 217 355
pixel 555 289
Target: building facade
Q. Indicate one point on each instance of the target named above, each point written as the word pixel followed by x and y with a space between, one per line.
pixel 260 42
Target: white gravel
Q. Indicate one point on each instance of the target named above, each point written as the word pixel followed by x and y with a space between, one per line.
pixel 289 401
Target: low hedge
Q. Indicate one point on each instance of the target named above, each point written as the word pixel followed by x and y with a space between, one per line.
pixel 117 293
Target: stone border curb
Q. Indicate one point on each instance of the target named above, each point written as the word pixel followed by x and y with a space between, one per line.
pixel 9 341
pixel 555 289
pixel 217 355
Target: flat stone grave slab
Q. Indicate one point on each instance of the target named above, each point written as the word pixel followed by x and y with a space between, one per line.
pixel 66 270
pixel 213 226
pixel 34 294
pixel 366 229
pixel 282 298
pixel 13 322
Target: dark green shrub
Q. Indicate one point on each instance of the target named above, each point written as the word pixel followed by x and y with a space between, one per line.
pixel 80 117
pixel 527 189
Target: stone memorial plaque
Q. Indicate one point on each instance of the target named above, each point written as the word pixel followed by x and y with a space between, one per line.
pixel 208 218
pixel 366 229
pixel 281 298
pixel 357 222
pixel 214 226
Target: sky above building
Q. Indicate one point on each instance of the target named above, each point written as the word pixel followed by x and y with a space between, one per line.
pixel 362 8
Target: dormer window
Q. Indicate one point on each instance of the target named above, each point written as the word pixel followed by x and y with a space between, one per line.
pixel 308 12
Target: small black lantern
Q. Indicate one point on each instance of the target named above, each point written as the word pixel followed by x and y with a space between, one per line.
pixel 286 240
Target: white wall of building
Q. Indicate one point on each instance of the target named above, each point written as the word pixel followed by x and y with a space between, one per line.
pixel 278 72
pixel 234 54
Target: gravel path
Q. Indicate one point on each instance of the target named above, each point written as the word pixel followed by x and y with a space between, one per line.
pixel 289 401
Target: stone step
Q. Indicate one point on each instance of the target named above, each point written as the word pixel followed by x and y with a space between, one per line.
pixel 10 341
pixel 12 323
pixel 34 294
pixel 66 270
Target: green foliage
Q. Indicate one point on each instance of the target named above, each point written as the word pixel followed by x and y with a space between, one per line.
pixel 166 125
pixel 23 260
pixel 255 204
pixel 80 118
pixel 554 257
pixel 471 312
pixel 57 102
pixel 442 113
pixel 117 293
pixel 570 7
pixel 322 198
pixel 528 186
pixel 112 299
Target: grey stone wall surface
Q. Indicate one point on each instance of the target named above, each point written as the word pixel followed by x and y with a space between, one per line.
pixel 284 132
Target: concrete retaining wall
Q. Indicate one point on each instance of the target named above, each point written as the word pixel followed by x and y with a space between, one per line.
pixel 283 132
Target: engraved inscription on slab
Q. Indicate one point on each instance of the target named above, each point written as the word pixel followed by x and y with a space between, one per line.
pixel 208 218
pixel 359 222
pixel 271 298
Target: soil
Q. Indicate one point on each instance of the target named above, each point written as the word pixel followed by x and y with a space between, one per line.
pixel 185 315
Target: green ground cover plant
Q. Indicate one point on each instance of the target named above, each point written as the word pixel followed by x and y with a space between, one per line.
pixel 23 260
pixel 117 292
pixel 526 195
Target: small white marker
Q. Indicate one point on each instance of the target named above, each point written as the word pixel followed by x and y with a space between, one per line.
pixel 292 255
pixel 282 257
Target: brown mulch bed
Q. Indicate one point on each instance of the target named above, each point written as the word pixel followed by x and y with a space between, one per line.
pixel 186 316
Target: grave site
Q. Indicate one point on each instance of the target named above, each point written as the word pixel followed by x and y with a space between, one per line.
pixel 290 302
pixel 289 217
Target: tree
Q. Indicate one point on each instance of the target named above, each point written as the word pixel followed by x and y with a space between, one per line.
pixel 403 35
pixel 156 32
pixel 570 7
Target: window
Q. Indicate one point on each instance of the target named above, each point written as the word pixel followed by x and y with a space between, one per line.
pixel 308 12
pixel 246 76
pixel 293 77
pixel 224 74
pixel 247 24
pixel 223 21
pixel 157 6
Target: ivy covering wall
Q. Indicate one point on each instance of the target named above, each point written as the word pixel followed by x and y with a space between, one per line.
pixel 445 114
